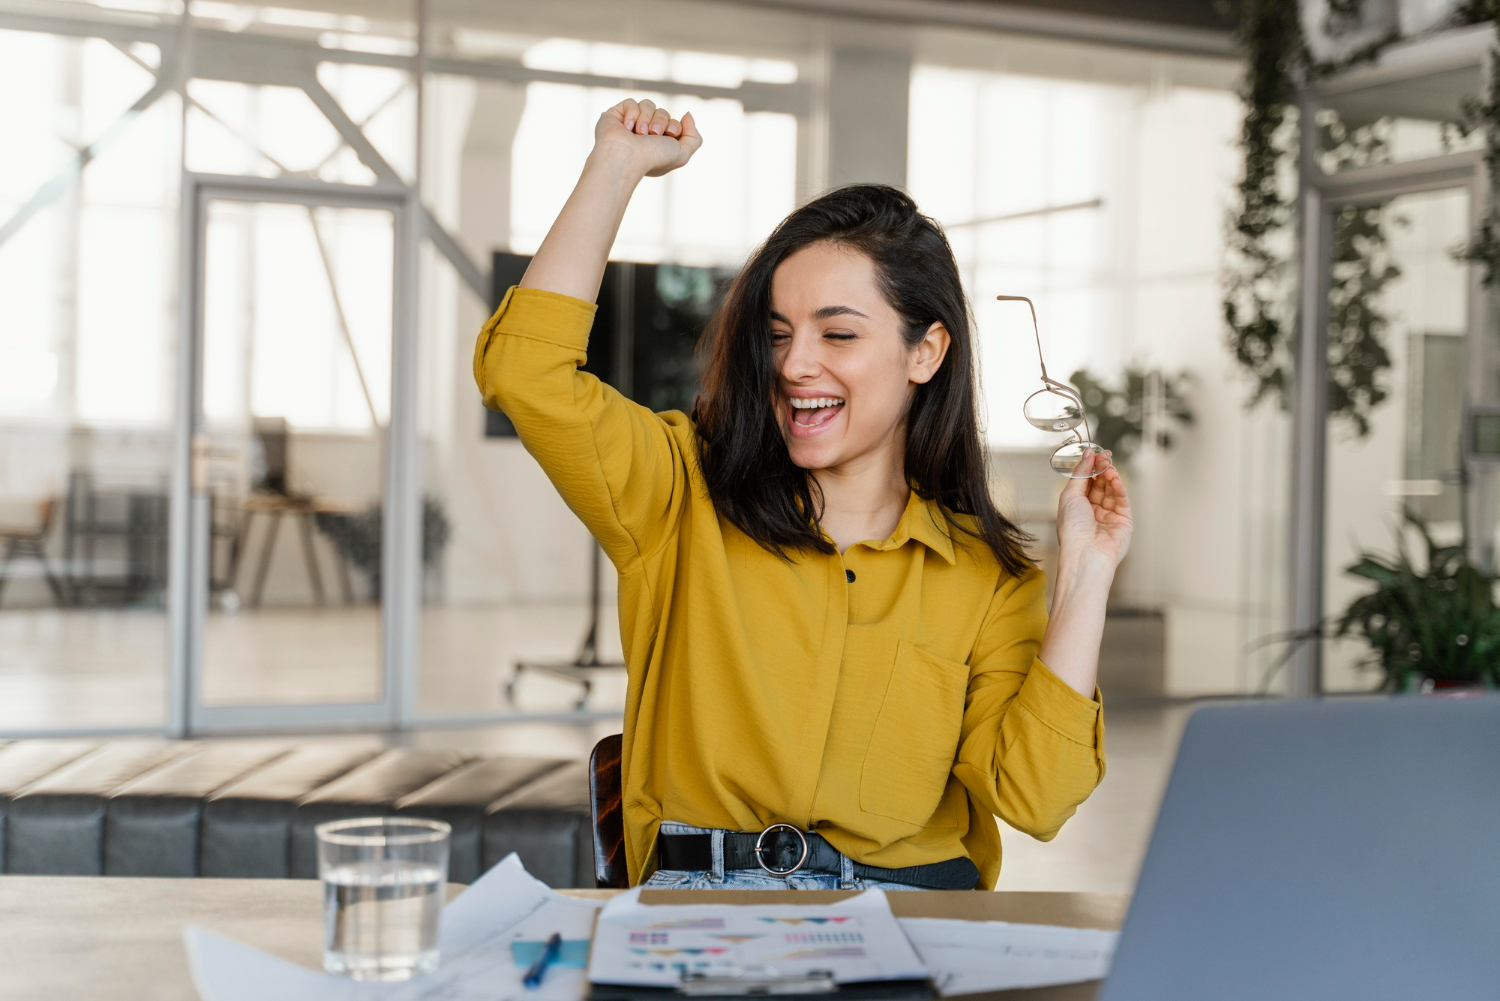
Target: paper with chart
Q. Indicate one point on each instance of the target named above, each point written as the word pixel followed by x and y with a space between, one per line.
pixel 653 946
pixel 505 905
pixel 970 957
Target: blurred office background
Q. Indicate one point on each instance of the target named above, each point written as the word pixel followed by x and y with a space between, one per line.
pixel 246 484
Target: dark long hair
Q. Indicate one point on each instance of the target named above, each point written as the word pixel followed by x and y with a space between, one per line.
pixel 744 459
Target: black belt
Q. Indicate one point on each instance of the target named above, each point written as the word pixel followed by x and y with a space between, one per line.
pixel 781 850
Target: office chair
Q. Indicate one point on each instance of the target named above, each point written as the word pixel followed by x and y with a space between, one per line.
pixel 605 812
pixel 29 541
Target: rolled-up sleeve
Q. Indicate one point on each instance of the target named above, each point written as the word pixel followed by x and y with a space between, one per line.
pixel 617 465
pixel 1031 748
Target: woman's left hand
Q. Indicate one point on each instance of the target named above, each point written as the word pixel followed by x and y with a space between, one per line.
pixel 1093 518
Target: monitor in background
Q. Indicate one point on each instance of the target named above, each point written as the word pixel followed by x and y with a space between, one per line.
pixel 645 333
pixel 1323 851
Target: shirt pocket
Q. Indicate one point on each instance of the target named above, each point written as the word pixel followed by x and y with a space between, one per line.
pixel 915 739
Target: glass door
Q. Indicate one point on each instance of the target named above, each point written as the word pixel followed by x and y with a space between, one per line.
pixel 1399 328
pixel 294 339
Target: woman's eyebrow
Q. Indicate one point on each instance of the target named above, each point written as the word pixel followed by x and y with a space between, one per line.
pixel 824 313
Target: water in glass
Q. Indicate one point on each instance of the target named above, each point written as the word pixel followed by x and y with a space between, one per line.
pixel 383 893
pixel 383 919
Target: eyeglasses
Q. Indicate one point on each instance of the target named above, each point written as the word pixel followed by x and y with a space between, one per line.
pixel 1057 407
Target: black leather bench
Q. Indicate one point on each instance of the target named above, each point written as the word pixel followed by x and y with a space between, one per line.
pixel 248 808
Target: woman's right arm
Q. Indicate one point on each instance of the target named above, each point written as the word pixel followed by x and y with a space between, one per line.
pixel 617 465
pixel 632 140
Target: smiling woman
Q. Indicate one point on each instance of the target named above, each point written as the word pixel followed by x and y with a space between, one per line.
pixel 840 662
pixel 866 310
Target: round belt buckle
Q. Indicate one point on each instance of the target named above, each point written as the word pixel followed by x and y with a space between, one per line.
pixel 760 850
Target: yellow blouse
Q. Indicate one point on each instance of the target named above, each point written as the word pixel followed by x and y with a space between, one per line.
pixel 889 697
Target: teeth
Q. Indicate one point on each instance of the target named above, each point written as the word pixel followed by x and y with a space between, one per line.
pixel 813 403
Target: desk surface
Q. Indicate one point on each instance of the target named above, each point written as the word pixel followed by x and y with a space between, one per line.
pixel 120 939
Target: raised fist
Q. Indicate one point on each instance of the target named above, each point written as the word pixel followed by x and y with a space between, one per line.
pixel 646 137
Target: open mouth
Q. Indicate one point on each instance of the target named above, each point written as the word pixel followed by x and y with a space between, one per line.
pixel 815 411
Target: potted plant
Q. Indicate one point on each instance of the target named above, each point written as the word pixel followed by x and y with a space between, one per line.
pixel 1144 404
pixel 1433 625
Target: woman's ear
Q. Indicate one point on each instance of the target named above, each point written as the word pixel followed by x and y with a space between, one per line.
pixel 927 357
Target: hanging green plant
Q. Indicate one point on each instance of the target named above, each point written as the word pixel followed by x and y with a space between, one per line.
pixel 1483 247
pixel 1258 308
pixel 1357 356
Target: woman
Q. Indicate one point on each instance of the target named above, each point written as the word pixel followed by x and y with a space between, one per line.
pixel 840 661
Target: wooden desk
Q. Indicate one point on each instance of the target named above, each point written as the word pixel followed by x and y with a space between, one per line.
pixel 88 938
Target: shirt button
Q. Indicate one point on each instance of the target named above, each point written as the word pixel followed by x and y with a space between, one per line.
pixel 849 576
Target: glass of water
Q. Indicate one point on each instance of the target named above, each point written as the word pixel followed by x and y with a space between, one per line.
pixel 383 894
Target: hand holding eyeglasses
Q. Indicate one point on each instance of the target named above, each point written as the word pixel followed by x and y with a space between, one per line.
pixel 1093 516
pixel 1056 407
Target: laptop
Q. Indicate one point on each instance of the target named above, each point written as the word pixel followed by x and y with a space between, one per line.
pixel 1328 850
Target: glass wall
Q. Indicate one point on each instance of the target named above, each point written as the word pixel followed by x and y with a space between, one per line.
pixel 86 381
pixel 296 357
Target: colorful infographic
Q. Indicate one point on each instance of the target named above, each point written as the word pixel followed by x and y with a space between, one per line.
pixel 855 940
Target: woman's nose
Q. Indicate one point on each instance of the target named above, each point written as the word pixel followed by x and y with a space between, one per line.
pixel 801 358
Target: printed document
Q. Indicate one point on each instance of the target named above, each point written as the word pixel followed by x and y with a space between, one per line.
pixel 969 957
pixel 856 940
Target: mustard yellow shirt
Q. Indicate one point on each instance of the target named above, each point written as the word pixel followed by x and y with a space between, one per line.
pixel 889 697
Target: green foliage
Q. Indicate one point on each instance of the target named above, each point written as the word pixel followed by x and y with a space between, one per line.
pixel 1257 312
pixel 1361 267
pixel 1483 247
pixel 1438 621
pixel 1269 34
pixel 1357 356
pixel 1118 414
pixel 1476 11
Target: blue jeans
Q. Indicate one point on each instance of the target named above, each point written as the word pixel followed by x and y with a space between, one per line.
pixel 719 878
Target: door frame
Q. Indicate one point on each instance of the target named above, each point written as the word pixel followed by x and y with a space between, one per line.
pixel 1320 197
pixel 401 559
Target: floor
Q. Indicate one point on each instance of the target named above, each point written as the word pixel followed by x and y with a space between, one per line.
pixel 74 668
pixel 1101 848
pixel 78 668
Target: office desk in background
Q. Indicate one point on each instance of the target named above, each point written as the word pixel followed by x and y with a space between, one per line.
pixel 112 938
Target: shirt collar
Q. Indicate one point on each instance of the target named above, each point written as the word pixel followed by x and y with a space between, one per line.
pixel 922 520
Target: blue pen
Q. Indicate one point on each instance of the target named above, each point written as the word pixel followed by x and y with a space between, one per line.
pixel 549 955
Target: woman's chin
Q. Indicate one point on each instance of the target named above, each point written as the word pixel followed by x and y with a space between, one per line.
pixel 814 454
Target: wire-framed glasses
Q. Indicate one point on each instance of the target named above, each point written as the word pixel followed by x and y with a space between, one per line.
pixel 1057 407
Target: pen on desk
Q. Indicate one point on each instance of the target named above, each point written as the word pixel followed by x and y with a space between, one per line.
pixel 549 954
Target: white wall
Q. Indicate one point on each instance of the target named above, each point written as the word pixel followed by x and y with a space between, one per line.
pixel 1211 536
